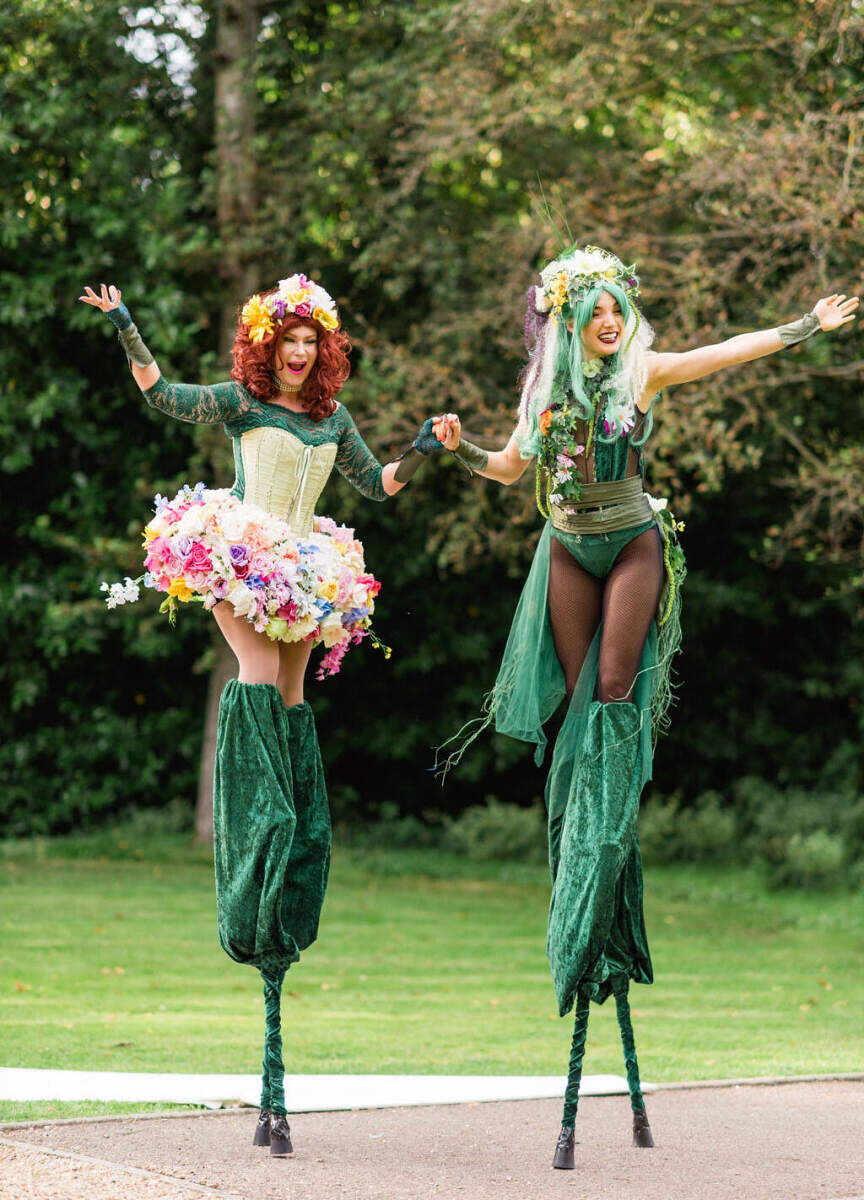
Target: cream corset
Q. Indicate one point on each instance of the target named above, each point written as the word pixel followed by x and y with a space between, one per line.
pixel 283 475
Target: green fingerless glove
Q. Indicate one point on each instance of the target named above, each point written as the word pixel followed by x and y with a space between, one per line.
pixel 471 456
pixel 800 330
pixel 130 339
pixel 425 443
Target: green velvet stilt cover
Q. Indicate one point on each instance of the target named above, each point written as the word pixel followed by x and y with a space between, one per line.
pixel 596 932
pixel 271 827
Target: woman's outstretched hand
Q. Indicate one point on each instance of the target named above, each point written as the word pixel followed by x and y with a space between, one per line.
pixel 448 430
pixel 109 298
pixel 834 311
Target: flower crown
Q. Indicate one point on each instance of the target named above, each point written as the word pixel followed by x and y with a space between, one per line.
pixel 570 278
pixel 297 295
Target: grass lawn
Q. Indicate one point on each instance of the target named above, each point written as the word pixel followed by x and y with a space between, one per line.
pixel 427 963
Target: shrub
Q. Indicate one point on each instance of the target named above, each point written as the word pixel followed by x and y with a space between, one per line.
pixel 500 831
pixel 705 832
pixel 813 860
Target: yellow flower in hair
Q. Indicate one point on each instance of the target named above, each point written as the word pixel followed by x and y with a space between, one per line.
pixel 295 297
pixel 257 318
pixel 327 320
pixel 610 274
pixel 149 534
pixel 329 590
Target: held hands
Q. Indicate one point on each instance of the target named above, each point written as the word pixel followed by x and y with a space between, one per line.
pixel 438 433
pixel 834 311
pixel 448 430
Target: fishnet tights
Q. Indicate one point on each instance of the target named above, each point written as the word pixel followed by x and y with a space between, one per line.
pixel 626 600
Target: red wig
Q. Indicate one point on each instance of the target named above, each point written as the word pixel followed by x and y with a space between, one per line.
pixel 254 364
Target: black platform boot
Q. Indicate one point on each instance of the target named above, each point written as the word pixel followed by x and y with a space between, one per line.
pixel 642 1130
pixel 262 1129
pixel 280 1136
pixel 563 1159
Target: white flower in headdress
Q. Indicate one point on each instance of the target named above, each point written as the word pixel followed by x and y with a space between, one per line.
pixel 542 302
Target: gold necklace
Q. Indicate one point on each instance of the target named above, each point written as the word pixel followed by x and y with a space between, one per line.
pixel 285 387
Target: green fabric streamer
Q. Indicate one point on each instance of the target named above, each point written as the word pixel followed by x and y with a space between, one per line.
pixel 271 827
pixel 596 932
pixel 577 1054
pixel 628 1043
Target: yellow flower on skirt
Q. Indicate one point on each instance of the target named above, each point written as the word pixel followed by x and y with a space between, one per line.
pixel 180 588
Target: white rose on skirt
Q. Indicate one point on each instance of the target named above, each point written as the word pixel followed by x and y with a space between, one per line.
pixel 243 599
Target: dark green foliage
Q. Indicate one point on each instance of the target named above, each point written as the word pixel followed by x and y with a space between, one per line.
pixel 398 147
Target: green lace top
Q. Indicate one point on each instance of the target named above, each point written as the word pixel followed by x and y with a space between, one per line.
pixel 240 412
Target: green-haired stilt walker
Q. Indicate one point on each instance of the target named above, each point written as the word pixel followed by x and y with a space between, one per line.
pixel 598 622
pixel 279 581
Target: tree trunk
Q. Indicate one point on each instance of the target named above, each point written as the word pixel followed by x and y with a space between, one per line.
pixel 236 41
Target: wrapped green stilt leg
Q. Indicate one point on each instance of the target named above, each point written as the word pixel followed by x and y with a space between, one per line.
pixel 273 1074
pixel 563 1159
pixel 272 1067
pixel 641 1129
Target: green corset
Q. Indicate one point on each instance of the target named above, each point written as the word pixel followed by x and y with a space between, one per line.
pixel 282 459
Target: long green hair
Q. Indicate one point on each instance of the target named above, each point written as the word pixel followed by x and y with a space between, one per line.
pixel 556 368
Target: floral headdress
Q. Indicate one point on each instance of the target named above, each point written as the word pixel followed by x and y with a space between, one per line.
pixel 568 279
pixel 296 295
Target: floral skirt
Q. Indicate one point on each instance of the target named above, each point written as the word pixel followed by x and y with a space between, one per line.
pixel 206 545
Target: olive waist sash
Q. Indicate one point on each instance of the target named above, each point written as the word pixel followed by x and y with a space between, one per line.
pixel 604 508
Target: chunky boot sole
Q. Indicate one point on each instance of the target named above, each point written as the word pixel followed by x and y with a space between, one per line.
pixel 563 1160
pixel 642 1131
pixel 280 1138
pixel 262 1129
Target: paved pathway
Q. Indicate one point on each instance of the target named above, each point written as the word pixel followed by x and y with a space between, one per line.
pixel 791 1142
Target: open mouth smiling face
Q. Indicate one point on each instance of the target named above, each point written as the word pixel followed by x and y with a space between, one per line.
pixel 296 354
pixel 602 335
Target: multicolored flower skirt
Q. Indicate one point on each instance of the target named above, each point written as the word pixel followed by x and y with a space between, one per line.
pixel 205 545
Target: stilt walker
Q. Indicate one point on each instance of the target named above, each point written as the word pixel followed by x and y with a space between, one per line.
pixel 279 581
pixel 598 622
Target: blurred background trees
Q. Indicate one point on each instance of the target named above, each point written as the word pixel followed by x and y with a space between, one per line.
pixel 398 152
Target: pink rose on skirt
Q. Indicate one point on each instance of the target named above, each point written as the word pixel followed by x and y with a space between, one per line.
pixel 198 561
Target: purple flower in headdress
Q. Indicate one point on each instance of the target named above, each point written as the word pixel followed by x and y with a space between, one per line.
pixel 239 555
pixel 534 320
pixel 255 581
pixel 279 307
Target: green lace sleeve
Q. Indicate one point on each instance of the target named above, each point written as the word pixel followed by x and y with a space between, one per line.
pixel 356 461
pixel 200 404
